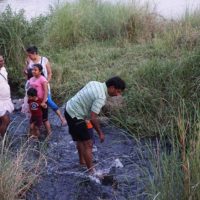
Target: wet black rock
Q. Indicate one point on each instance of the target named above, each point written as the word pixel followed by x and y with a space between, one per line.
pixel 108 179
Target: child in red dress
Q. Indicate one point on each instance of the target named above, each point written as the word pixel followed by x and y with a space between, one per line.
pixel 36 112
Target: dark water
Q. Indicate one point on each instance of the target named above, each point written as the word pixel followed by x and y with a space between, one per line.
pixel 125 161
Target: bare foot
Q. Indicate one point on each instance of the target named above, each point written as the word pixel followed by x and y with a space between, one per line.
pixel 33 137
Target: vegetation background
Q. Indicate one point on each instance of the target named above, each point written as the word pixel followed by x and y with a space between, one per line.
pixel 158 58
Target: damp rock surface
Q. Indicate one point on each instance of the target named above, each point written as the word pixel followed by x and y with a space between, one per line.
pixel 123 160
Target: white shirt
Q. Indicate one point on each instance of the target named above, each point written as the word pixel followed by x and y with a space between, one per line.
pixel 4 86
pixel 5 99
pixel 43 61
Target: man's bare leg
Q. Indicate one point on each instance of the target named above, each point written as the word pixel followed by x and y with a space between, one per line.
pixel 87 154
pixel 80 148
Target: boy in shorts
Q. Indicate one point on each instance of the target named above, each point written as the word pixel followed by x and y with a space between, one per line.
pixel 36 112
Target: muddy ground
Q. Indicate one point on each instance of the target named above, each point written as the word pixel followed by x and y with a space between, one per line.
pixel 125 160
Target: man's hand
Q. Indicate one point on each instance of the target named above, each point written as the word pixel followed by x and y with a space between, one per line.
pixel 96 126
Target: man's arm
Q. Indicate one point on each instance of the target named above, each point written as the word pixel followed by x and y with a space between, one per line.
pixel 95 123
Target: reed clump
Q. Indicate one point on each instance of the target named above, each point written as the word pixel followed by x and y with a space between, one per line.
pixel 17 173
pixel 17 33
pixel 84 21
pixel 176 170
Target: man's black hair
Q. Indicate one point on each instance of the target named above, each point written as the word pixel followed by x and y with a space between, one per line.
pixel 32 50
pixel 32 92
pixel 117 82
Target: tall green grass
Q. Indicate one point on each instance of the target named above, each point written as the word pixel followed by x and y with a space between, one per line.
pixel 159 59
pixel 176 170
pixel 13 28
pixel 156 90
pixel 16 34
pixel 17 173
pixel 87 20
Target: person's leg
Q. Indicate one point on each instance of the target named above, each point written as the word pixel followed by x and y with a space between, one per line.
pixel 55 108
pixel 80 134
pixel 72 132
pixel 80 148
pixel 37 131
pixel 46 121
pixel 87 155
pixel 34 131
pixel 31 130
pixel 5 120
pixel 48 127
pixel 86 144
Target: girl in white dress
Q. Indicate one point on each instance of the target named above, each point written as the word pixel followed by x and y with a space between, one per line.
pixel 6 104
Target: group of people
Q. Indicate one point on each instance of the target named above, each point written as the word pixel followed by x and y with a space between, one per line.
pixel 81 111
pixel 38 74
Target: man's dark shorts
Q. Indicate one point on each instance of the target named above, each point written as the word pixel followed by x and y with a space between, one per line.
pixel 77 128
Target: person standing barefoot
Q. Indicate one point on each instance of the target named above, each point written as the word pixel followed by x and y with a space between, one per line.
pixel 39 82
pixel 34 58
pixel 85 106
pixel 6 104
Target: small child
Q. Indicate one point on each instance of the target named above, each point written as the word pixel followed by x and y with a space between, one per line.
pixel 36 112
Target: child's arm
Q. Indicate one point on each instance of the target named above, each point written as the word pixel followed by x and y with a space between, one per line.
pixel 40 102
pixel 45 88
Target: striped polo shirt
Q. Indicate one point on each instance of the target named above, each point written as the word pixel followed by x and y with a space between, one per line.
pixel 92 97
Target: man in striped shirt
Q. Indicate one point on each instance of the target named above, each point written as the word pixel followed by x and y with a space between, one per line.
pixel 86 105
